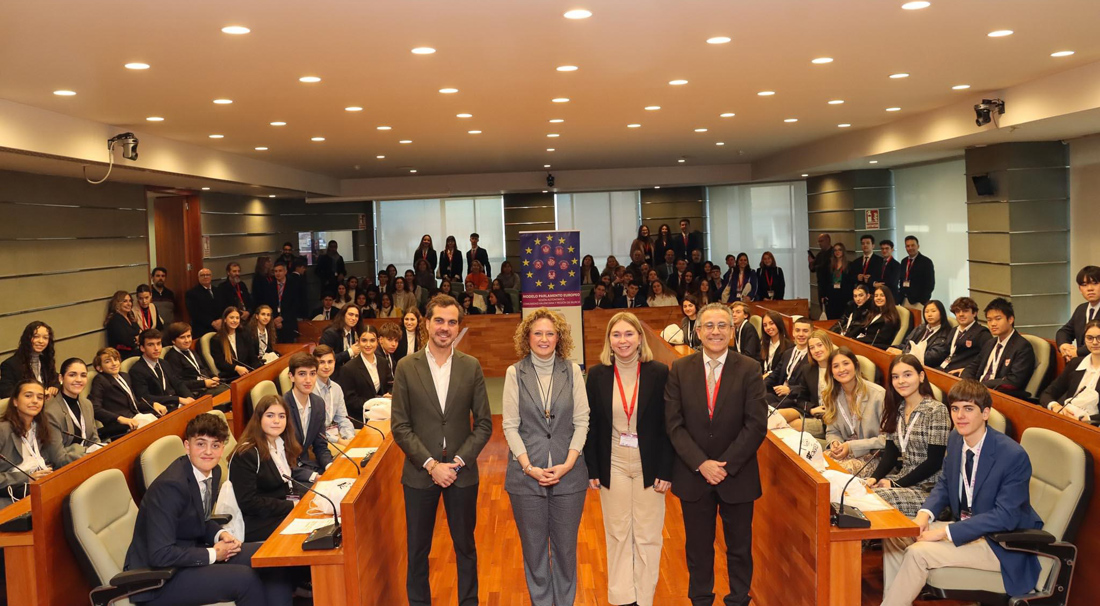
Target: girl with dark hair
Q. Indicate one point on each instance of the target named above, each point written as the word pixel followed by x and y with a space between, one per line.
pixel 353 288
pixel 146 312
pixel 916 428
pixel 450 261
pixel 690 306
pixel 229 349
pixel 71 412
pixel 662 242
pixel 26 442
pixel 499 302
pixel 468 307
pixel 426 252
pixel 775 341
pixel 882 327
pixel 853 413
pixel 770 281
pixel 859 311
pixel 643 244
pixel 834 283
pixel 386 309
pixel 261 274
pixel 33 359
pixel 743 281
pixel 342 298
pixel 261 333
pixel 267 450
pixel 589 273
pixel 930 340
pixel 424 277
pixel 122 326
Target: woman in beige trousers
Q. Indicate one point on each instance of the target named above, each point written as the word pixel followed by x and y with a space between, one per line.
pixel 629 458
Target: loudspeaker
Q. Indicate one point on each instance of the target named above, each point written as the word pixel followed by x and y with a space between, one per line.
pixel 983 185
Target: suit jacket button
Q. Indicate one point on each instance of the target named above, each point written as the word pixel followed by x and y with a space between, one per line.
pixel 712 435
pixel 547 436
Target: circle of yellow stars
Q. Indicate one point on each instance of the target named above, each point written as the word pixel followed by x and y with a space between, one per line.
pixel 550 240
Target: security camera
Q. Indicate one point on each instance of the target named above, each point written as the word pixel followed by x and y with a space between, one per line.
pixel 986 109
pixel 129 144
pixel 549 180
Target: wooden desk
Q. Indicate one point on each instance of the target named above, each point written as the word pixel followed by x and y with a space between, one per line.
pixel 239 389
pixel 369 567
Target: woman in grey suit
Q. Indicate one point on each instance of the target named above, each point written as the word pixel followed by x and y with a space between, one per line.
pixel 546 423
pixel 853 414
pixel 71 413
pixel 26 442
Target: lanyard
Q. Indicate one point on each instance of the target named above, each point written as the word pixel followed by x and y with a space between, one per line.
pixel 546 406
pixel 847 415
pixel 768 278
pixel 30 445
pixel 903 439
pixel 240 297
pixel 740 281
pixel 712 399
pixel 866 263
pixel 968 486
pixel 908 266
pixel 77 421
pixel 928 332
pixel 126 388
pixel 622 393
pixel 796 357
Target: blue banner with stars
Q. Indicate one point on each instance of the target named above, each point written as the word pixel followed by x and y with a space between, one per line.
pixel 550 268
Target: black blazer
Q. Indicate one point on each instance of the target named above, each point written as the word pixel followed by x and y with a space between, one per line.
pixel 922 279
pixel 358 387
pixel 778 284
pixel 809 385
pixel 767 363
pixel 590 303
pixel 969 344
pixel 779 374
pixel 170 531
pixel 653 443
pixel 122 335
pixel 748 342
pixel 891 277
pixel 1014 369
pixel 261 493
pixel 874 268
pixel 733 435
pixel 432 258
pixel 403 345
pixel 11 372
pixel 593 275
pixel 204 308
pixel 110 401
pixel 244 353
pixel 449 268
pixel 694 242
pixel 333 336
pixel 227 297
pixel 851 323
pixel 938 344
pixel 483 256
pixel 1072 332
pixel 184 376
pixel 834 300
pixel 148 386
pixel 639 301
pixel 313 440
pixel 290 308
pixel 878 332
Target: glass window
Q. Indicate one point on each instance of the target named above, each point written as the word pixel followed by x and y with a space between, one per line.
pixel 402 223
pixel 608 222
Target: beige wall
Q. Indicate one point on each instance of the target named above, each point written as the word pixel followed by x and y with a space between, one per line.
pixel 1084 209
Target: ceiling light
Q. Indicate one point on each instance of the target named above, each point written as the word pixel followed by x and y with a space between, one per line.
pixel 556 121
pixel 206 189
pixel 1001 33
pixel 552 135
pixel 412 170
pixel 720 143
pixel 633 125
pixel 549 149
pixel 464 116
pixel 448 91
pixel 137 66
pixel 545 191
pixel 309 79
pixel 822 60
pixel 561 100
pixel 844 125
pixel 578 13
pixel 353 108
pixel 271 195
pixel 567 68
pixel 836 102
pixel 474 132
pixel 960 87
pixel 727 115
pixel 1061 54
pixel 656 187
pixel 155 119
pixel 652 108
pixel 217 136
pixel 222 101
pixel 423 50
pixel 681 160
pixel 873 162
pixel 893 109
pixel 384 127
pixel 805 175
pixel 790 120
pixel 64 93
pixel 236 30
pixel 261 149
pixel 913 6
pixel 279 123
pixel 677 82
pixel 718 40
pixel 765 93
pixel 405 141
pixel 380 157
pixel 899 76
pixel 700 130
pixel 318 139
pixel 546 166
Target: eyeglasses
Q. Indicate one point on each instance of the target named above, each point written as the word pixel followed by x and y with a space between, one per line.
pixel 1092 338
pixel 711 327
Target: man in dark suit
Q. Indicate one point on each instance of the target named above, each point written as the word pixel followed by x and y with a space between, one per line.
pixel 787 370
pixel 746 341
pixel 666 270
pixel 286 298
pixel 678 277
pixel 433 386
pixel 597 299
pixel 686 241
pixel 985 483
pixel 476 253
pixel 630 298
pixel 1006 361
pixel 150 378
pixel 820 261
pixel 330 268
pixel 1071 337
pixel 358 382
pixel 202 305
pixel 918 275
pixel 890 275
pixel 174 530
pixel 233 292
pixel 327 310
pixel 716 426
pixel 965 341
pixel 868 266
pixel 307 411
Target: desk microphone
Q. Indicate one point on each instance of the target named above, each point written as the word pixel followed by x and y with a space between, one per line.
pixel 20 523
pixel 345 455
pixel 322 538
pixel 81 438
pixel 367 457
pixel 151 409
pixel 236 361
pixel 14 466
pixel 846 516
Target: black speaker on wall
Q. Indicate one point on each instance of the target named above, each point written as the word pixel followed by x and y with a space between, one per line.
pixel 983 185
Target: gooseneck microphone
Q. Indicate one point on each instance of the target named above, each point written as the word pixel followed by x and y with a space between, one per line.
pixel 151 409
pixel 236 361
pixel 16 467
pixel 345 455
pixel 81 438
pixel 846 516
pixel 323 538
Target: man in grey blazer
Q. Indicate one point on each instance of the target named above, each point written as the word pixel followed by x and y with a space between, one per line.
pixel 436 391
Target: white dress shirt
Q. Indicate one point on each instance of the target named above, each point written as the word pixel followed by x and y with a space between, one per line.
pixel 201 477
pixel 995 356
pixel 372 369
pixel 441 377
pixel 278 455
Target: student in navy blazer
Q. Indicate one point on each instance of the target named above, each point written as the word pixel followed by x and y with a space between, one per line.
pixel 303 375
pixel 998 502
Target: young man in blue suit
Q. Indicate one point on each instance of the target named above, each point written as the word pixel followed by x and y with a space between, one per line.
pixel 985 483
pixel 307 412
pixel 174 530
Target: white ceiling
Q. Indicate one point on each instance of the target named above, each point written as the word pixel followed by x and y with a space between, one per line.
pixel 502 54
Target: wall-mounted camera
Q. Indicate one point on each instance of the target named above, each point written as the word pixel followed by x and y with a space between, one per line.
pixel 549 180
pixel 129 144
pixel 988 110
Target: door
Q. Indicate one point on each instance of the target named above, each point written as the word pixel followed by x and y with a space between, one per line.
pixel 178 229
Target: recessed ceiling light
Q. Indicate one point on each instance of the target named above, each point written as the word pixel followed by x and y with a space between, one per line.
pixel 633 125
pixel 1065 53
pixel 677 82
pixel 844 125
pixel 279 123
pixel 236 30
pixel 271 195
pixel 873 162
pixel 217 136
pixel 206 189
pixel 545 191
pixel 309 79
pixel 805 175
pixel 960 87
pixel 567 68
pixel 836 102
pixel 155 119
pixel 681 160
pixel 578 13
pixel 552 135
pixel 549 149
pixel 893 109
pixel 720 143
pixel 718 40
pixel 727 115
pixel 405 141
pixel 1001 33
pixel 789 120
pixel 822 60
pixel 914 6
pixel 261 148
pixel 464 116
pixel 380 157
pixel 556 121
pixel 546 166
pixel 318 139
pixel 353 108
pixel 137 66
pixel 652 108
pixel 412 170
pixel 384 127
pixel 423 50
pixel 561 100
pixel 474 132
pixel 448 91
pixel 899 76
pixel 656 187
pixel 222 101
pixel 64 93
pixel 700 130
pixel 765 93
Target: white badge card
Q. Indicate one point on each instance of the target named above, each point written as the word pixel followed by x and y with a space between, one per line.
pixel 905 284
pixel 628 440
pixel 333 433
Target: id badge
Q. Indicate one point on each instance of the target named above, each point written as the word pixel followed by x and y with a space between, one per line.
pixel 628 440
pixel 905 284
pixel 771 294
pixel 836 285
pixel 333 433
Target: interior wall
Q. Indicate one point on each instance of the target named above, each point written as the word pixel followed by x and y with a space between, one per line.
pixel 1084 203
pixel 66 246
pixel 930 203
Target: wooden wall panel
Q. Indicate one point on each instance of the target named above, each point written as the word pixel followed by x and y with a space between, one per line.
pixel 65 321
pixel 41 291
pixel 49 256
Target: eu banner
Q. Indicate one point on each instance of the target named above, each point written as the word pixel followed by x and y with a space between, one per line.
pixel 550 274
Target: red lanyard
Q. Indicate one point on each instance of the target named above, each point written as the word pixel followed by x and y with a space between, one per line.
pixel 908 266
pixel 622 393
pixel 712 399
pixel 740 281
pixel 767 278
pixel 239 296
pixel 866 263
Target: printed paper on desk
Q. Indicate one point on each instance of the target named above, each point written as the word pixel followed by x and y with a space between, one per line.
pixel 857 495
pixel 306 525
pixel 333 489
pixel 359 453
pixel 811 448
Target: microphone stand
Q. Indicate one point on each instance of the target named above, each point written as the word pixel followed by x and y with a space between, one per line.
pixel 345 455
pixel 366 459
pixel 323 538
pixel 151 409
pixel 236 361
pixel 846 516
pixel 82 439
